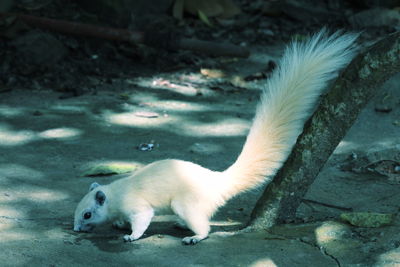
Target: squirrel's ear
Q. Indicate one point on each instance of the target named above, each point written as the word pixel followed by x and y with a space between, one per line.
pixel 100 197
pixel 93 186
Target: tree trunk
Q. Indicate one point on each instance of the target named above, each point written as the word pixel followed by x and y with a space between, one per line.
pixel 325 129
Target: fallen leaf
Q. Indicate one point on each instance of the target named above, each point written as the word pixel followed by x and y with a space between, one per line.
pixel 109 169
pixel 367 219
pixel 212 73
pixel 204 18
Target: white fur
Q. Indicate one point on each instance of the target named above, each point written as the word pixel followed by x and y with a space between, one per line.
pixel 194 193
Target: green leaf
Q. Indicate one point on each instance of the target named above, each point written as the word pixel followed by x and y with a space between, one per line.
pixel 367 219
pixel 204 18
pixel 109 169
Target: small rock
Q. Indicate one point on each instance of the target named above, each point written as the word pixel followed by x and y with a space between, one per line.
pixel 146 146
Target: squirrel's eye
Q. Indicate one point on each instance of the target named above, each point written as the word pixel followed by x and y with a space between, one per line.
pixel 87 215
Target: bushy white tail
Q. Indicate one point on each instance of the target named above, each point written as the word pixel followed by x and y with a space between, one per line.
pixel 286 102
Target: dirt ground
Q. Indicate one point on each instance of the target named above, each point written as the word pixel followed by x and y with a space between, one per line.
pixel 47 143
pixel 67 104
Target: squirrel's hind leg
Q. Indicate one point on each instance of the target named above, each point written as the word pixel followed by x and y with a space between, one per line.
pixel 194 219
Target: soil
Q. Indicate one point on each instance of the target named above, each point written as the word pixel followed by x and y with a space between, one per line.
pixel 68 103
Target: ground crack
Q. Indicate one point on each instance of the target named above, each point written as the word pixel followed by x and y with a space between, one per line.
pixel 309 243
pixel 322 249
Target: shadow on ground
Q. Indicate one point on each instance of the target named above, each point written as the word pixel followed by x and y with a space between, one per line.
pixel 46 143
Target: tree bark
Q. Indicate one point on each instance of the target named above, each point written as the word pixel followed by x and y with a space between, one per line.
pixel 335 114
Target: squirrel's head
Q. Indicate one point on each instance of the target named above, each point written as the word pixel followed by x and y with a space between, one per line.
pixel 92 210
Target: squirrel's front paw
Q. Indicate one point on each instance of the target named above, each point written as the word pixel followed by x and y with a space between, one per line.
pixel 190 240
pixel 129 238
pixel 193 240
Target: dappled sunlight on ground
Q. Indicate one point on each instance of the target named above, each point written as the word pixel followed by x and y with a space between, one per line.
pixel 8 111
pixel 178 106
pixel 228 127
pixel 330 231
pixel 182 87
pixel 19 172
pixel 129 119
pixel 75 108
pixel 10 212
pixel 173 123
pixel 42 195
pixel 46 144
pixel 389 258
pixel 347 147
pixel 34 194
pixel 60 133
pixel 10 137
pixel 264 262
pixel 16 236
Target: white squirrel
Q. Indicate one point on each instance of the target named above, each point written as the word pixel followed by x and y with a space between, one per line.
pixel 195 193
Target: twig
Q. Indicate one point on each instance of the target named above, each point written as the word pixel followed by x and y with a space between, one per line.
pixel 327 205
pixel 159 40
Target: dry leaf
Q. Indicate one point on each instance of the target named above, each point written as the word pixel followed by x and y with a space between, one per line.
pixel 212 73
